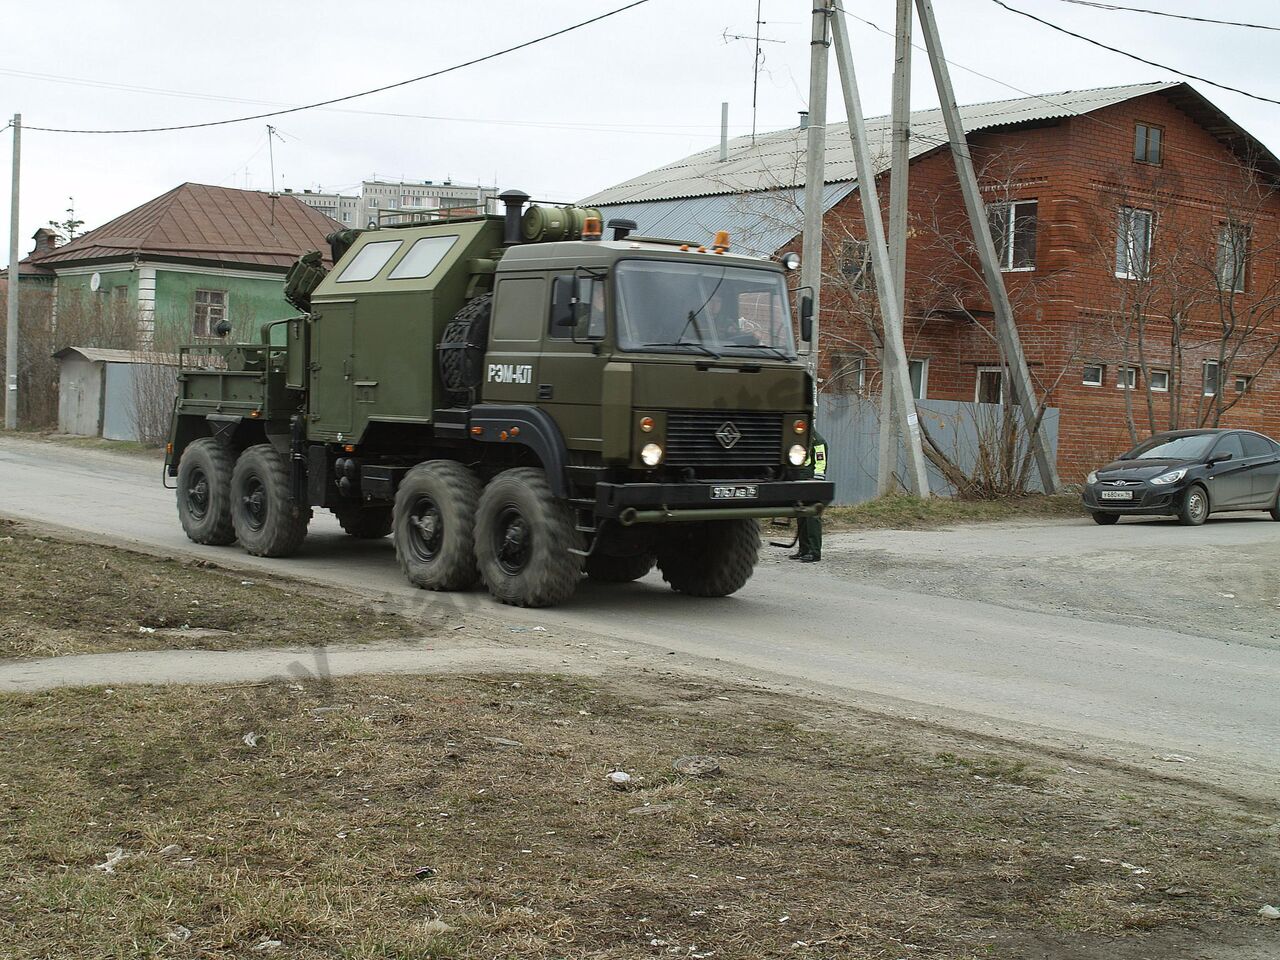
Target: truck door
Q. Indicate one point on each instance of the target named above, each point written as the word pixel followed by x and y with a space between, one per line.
pixel 571 373
pixel 333 329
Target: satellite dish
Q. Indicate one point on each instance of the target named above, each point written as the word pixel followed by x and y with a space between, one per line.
pixel 95 282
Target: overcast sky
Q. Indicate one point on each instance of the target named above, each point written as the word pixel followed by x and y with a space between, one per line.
pixel 559 120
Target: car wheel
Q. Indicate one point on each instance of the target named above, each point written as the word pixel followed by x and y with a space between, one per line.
pixel 1106 519
pixel 1195 506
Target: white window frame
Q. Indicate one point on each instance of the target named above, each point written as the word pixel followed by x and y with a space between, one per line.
pixel 924 376
pixel 977 382
pixel 1146 144
pixel 855 263
pixel 1126 378
pixel 1126 247
pixel 841 375
pixel 1010 208
pixel 1102 374
pixel 212 313
pixel 1243 382
pixel 1227 234
pixel 1151 380
pixel 1204 378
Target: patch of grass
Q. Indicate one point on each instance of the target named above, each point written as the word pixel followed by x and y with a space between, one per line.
pixel 64 598
pixel 132 447
pixel 900 511
pixel 396 818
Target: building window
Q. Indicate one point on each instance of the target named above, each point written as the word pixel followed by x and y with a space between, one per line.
pixel 1147 143
pixel 211 309
pixel 1211 378
pixel 392 203
pixel 1233 246
pixel 346 216
pixel 1092 376
pixel 1133 243
pixel 1243 383
pixel 1158 380
pixel 919 371
pixel 373 202
pixel 990 385
pixel 1126 378
pixel 1013 231
pixel 855 263
pixel 848 372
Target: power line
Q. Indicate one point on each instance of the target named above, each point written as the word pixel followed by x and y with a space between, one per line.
pixel 363 93
pixel 1134 56
pixel 1165 13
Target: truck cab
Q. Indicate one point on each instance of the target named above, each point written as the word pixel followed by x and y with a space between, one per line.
pixel 520 401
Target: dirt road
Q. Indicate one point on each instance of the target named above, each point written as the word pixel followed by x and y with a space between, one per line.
pixel 1057 633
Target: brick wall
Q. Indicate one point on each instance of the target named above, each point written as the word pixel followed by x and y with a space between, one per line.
pixel 1071 308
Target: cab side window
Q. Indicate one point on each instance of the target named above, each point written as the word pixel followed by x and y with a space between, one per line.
pixel 1230 444
pixel 592 291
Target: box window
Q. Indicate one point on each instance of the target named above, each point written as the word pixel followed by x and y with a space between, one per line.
pixel 990 385
pixel 1092 376
pixel 369 261
pixel 1126 378
pixel 1013 231
pixel 423 257
pixel 1158 380
pixel 1243 383
pixel 1133 243
pixel 1148 143
pixel 1233 247
pixel 1211 378
pixel 919 371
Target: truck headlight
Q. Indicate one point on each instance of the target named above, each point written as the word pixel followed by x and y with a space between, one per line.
pixel 651 454
pixel 797 455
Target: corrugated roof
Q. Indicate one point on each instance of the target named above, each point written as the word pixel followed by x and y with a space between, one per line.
pixel 207 224
pixel 777 160
pixel 119 356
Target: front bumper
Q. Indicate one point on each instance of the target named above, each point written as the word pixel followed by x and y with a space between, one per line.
pixel 1148 498
pixel 674 502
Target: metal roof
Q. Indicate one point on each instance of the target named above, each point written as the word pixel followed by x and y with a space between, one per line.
pixel 105 355
pixel 777 160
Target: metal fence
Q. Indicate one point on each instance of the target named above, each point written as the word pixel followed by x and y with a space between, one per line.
pixel 851 425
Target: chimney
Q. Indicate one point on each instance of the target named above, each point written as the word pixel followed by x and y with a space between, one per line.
pixel 724 131
pixel 46 240
pixel 804 119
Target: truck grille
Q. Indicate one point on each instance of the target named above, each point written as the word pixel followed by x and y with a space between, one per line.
pixel 692 438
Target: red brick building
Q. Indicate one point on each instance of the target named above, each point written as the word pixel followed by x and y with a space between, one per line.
pixel 1137 228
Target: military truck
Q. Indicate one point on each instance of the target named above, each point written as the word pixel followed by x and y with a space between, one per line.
pixel 516 401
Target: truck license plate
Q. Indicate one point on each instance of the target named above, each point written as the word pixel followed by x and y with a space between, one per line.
pixel 742 492
pixel 1117 494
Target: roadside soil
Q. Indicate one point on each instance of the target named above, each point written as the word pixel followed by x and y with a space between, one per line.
pixel 396 817
pixel 63 598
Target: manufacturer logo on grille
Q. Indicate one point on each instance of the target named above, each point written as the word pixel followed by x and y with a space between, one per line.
pixel 728 434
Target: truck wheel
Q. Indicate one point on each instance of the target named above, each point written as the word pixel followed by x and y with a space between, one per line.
pixel 204 493
pixel 603 568
pixel 365 523
pixel 267 520
pixel 523 538
pixel 462 349
pixel 433 525
pixel 712 559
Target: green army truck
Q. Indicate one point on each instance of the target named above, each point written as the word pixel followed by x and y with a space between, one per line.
pixel 516 401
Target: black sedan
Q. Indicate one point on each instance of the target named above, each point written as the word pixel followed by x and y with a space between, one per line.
pixel 1188 474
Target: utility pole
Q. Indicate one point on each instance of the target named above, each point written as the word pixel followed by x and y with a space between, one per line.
pixel 899 172
pixel 886 287
pixel 11 328
pixel 1006 331
pixel 815 172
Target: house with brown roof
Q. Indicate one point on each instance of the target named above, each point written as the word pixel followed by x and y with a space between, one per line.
pixel 185 261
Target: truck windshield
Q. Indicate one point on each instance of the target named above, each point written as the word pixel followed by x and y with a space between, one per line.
pixel 703 308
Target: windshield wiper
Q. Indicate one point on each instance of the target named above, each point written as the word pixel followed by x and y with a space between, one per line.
pixel 686 343
pixel 776 351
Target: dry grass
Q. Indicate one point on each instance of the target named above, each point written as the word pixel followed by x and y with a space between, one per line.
pixel 411 818
pixel 908 512
pixel 64 598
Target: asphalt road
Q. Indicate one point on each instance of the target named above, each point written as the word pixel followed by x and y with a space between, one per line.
pixel 973 657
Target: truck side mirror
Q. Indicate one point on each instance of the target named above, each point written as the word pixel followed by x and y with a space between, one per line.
pixel 806 318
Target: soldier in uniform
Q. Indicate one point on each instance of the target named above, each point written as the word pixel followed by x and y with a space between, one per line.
pixel 810 528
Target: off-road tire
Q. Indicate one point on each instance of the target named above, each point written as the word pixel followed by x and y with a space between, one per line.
pixel 267 520
pixel 204 492
pixel 1189 514
pixel 603 568
pixel 524 536
pixel 365 523
pixel 712 559
pixel 461 368
pixel 1105 519
pixel 433 525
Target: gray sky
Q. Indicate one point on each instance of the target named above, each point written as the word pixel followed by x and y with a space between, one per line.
pixel 559 120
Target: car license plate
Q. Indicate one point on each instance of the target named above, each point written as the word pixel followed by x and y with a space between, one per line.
pixel 742 492
pixel 1116 495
